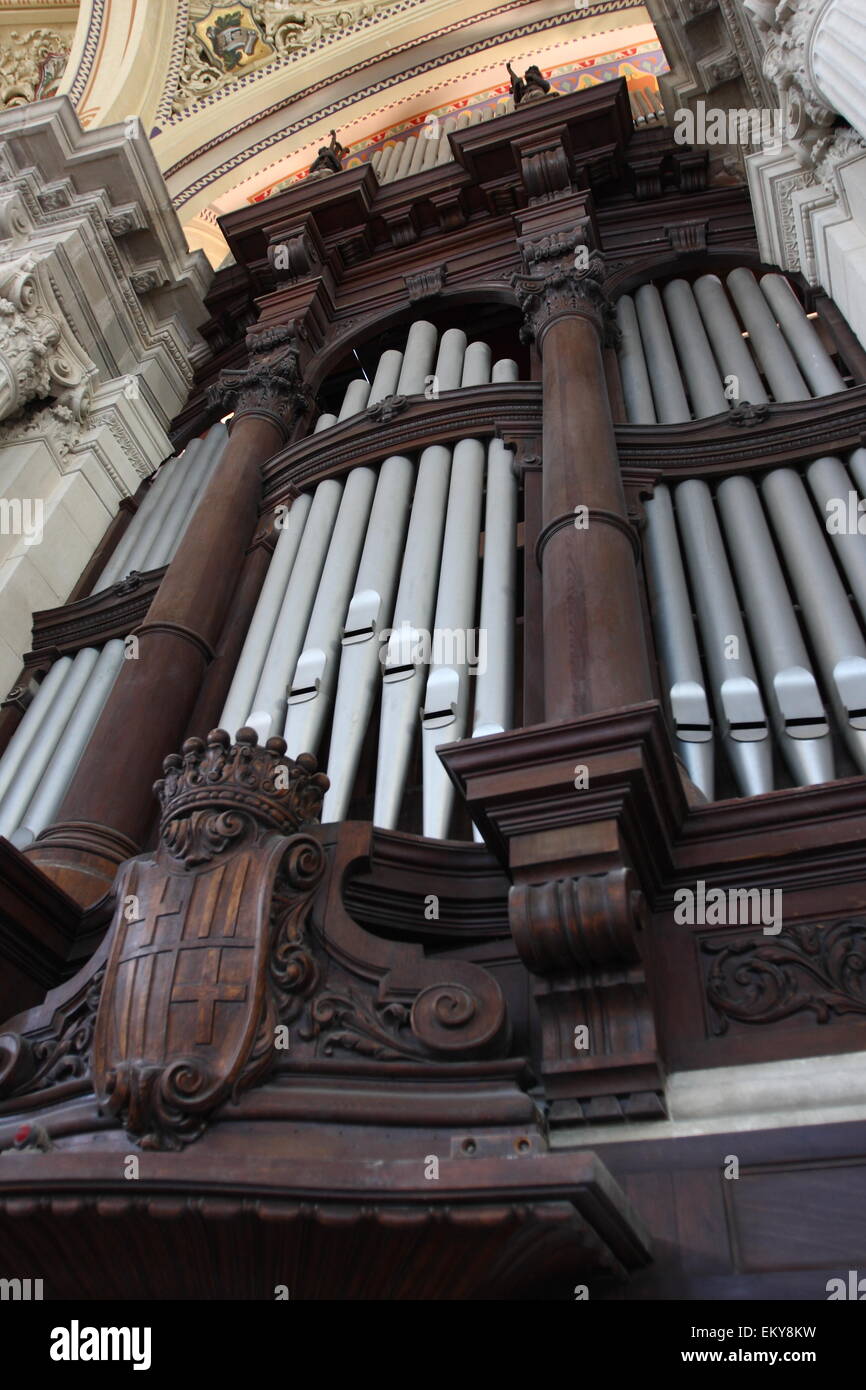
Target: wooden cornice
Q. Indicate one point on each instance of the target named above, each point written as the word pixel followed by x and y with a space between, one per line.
pixel 91 621
pixel 786 434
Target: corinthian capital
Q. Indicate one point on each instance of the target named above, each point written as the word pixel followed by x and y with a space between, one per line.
pixel 271 384
pixel 563 276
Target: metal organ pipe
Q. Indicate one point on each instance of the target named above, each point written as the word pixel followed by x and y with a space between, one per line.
pixel 449 361
pixel 672 606
pixel 699 365
pixel 355 399
pixel 494 682
pixel 386 377
pixel 117 565
pixel 812 357
pixel 239 701
pixel 476 365
pixel 150 531
pixel 325 422
pixel 417 358
pixel 185 500
pixel 20 743
pixel 505 370
pixel 315 674
pixel 368 615
pixel 413 614
pixel 670 399
pixel 771 350
pixel 632 364
pixel 739 706
pixel 830 482
pixel 269 701
pixel 729 347
pixel 789 684
pixel 67 752
pixel 51 727
pixel 836 637
pixel 446 701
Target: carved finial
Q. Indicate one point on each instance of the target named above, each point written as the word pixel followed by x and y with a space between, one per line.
pixel 271 385
pixel 217 779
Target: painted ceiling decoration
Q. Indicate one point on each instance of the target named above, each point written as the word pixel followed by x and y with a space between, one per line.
pixel 226 41
pixel 237 98
pixel 640 64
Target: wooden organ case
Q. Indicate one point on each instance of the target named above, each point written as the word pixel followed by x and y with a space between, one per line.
pixel 386 984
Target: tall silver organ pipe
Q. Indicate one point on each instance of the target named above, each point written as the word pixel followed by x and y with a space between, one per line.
pixel 405 660
pixel 315 673
pixel 735 342
pixel 729 347
pixel 153 535
pixel 449 362
pixel 678 648
pixel 494 678
pixel 636 387
pixel 766 338
pixel 239 701
pixel 368 615
pixel 812 357
pixel 667 387
pixel 834 631
pixel 739 707
pixel 428 362
pixel 494 681
pixel 447 696
pixel 701 373
pixel 269 701
pixel 387 375
pixel 788 681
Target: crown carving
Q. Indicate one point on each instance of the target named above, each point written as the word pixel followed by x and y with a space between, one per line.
pixel 215 774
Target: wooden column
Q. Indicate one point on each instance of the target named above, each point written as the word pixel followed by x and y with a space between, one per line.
pixel 106 812
pixel 594 645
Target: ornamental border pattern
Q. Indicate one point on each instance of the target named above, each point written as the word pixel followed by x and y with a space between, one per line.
pixel 591 11
pixel 88 54
pixel 264 143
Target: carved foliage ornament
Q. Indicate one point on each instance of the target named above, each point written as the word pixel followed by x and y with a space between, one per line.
pixel 563 276
pixel 270 385
pixel 189 1008
pixel 31 66
pixel 814 968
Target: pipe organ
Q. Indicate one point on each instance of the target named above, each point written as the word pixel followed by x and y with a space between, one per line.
pixel 691 351
pixel 770 673
pixel 430 560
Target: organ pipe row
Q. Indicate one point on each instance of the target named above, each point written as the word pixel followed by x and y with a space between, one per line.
pixel 427 362
pixel 779 591
pixel 692 351
pixel 430 145
pixel 44 751
pixel 373 591
pixel 155 531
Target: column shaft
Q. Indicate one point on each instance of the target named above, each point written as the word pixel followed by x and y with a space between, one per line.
pixel 594 645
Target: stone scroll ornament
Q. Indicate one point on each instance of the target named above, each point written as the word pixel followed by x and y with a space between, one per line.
pixel 188 1010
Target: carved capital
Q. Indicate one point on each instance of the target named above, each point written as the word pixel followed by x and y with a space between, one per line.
pixel 37 358
pixel 271 385
pixel 563 276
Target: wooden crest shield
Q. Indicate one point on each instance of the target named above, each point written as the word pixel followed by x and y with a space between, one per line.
pixel 188 1010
